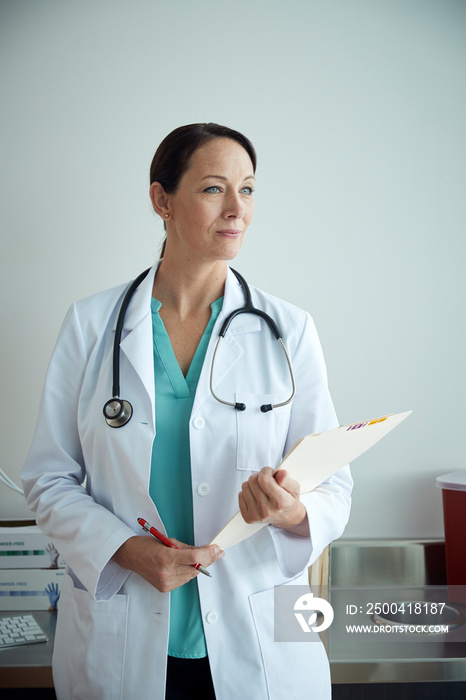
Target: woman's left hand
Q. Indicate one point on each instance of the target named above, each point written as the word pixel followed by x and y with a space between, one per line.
pixel 272 497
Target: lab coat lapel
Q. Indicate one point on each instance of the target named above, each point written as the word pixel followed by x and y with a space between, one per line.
pixel 230 350
pixel 136 343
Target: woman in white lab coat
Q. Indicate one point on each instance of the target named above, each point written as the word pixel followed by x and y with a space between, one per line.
pixel 88 482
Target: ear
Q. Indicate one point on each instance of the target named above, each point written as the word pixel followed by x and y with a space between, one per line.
pixel 159 199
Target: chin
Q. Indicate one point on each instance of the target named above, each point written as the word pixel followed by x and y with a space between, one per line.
pixel 230 252
pixel 227 258
pixel 224 252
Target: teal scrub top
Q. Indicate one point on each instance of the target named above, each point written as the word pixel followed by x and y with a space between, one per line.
pixel 170 481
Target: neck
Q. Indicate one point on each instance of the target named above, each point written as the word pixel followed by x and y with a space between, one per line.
pixel 190 288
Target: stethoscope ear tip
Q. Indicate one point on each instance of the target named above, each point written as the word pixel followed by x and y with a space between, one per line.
pixel 240 406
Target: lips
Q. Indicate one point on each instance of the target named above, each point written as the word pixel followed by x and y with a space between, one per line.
pixel 230 233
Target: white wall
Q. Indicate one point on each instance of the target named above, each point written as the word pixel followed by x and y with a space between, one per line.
pixel 357 109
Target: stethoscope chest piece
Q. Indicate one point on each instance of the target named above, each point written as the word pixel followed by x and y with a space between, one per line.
pixel 117 412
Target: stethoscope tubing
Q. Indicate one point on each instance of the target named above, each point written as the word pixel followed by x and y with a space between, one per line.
pixel 119 330
pixel 265 408
pixel 118 412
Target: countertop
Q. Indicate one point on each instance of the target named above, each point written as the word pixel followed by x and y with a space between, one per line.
pixel 361 572
pixel 364 572
pixel 29 665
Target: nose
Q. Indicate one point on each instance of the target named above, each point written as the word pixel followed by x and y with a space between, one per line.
pixel 234 207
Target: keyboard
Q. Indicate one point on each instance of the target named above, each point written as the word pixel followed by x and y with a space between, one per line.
pixel 20 629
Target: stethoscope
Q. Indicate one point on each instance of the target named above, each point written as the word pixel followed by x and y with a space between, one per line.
pixel 118 412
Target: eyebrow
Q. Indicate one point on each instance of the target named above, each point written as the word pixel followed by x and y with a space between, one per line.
pixel 220 177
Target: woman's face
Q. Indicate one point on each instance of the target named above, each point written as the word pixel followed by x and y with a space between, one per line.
pixel 214 203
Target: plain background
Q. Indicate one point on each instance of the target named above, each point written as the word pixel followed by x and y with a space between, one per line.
pixel 357 110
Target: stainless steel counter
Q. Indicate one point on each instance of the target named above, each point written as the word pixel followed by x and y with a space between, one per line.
pixel 364 572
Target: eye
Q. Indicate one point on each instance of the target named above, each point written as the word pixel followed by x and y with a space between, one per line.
pixel 214 189
pixel 248 190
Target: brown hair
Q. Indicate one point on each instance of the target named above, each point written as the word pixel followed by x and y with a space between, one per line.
pixel 172 158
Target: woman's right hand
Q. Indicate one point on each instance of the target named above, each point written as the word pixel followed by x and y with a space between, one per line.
pixel 163 567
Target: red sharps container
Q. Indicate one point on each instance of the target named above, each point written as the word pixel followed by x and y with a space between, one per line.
pixel 454 515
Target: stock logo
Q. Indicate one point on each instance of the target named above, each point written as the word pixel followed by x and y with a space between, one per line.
pixel 311 606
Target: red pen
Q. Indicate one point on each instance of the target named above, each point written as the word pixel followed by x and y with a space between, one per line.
pixel 168 543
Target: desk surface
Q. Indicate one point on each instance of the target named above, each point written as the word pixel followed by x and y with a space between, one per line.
pixel 30 665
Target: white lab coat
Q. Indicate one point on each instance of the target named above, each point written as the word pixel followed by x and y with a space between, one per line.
pixel 88 484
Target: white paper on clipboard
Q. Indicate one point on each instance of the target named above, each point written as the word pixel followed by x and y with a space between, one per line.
pixel 313 459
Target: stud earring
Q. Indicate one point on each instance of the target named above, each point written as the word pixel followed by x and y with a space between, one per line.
pixel 166 216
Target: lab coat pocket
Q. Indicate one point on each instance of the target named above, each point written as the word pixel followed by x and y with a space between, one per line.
pixel 89 645
pixel 261 436
pixel 292 669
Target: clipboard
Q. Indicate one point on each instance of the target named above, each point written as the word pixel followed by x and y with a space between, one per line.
pixel 312 460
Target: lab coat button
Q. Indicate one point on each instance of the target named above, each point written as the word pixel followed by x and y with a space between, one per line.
pixel 199 423
pixel 203 489
pixel 212 617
